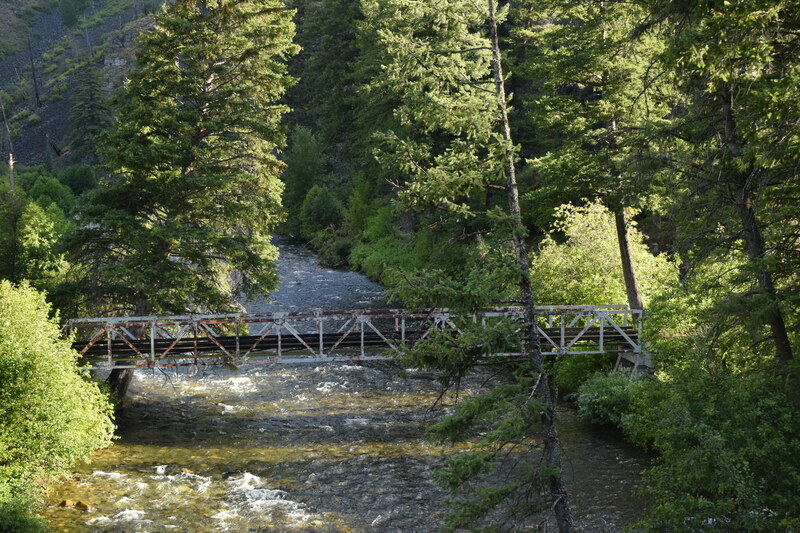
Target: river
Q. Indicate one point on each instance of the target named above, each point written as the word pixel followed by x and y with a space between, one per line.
pixel 338 447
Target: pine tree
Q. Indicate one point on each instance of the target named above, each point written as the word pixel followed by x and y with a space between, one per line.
pixel 90 114
pixel 733 131
pixel 194 190
pixel 452 143
pixel 591 102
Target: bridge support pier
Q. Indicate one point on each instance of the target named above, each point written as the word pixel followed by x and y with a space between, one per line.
pixel 638 362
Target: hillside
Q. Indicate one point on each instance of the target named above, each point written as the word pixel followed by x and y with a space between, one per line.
pixel 37 102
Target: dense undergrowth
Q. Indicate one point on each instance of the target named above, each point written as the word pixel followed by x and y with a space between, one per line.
pixel 51 414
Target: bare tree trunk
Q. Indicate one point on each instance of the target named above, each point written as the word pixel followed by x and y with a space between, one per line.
pixel 10 149
pixel 628 268
pixel 552 447
pixel 11 171
pixel 773 317
pixel 33 73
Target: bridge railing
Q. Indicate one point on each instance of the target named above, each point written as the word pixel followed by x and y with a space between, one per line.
pixel 149 341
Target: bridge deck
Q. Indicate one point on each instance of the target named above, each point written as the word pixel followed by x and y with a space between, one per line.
pixel 319 336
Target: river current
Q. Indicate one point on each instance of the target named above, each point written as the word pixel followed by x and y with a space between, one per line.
pixel 338 447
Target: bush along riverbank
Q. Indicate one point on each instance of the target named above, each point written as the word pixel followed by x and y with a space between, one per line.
pixel 726 435
pixel 51 414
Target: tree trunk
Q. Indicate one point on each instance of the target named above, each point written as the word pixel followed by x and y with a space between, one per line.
pixel 10 148
pixel 628 268
pixel 754 240
pixel 552 447
pixel 33 73
pixel 773 317
pixel 11 171
pixel 120 378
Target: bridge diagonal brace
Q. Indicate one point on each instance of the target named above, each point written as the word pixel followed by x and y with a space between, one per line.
pixel 580 334
pixel 297 336
pixel 636 347
pixel 125 330
pixel 450 323
pixel 574 320
pixel 94 340
pixel 343 337
pixel 267 331
pixel 131 346
pixel 178 337
pixel 548 339
pixel 211 335
pixel 384 339
pixel 433 326
pixel 346 324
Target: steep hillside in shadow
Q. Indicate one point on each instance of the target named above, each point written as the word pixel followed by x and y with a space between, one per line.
pixel 37 83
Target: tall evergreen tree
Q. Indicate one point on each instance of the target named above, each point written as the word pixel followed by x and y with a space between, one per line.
pixel 194 190
pixel 90 114
pixel 443 64
pixel 591 101
pixel 735 139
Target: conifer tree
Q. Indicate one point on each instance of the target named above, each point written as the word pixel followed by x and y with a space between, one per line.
pixel 735 145
pixel 591 102
pixel 194 190
pixel 443 64
pixel 90 114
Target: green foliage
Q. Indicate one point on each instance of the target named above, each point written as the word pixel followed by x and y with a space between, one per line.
pixel 590 76
pixel 384 247
pixel 79 178
pixel 320 210
pixel 584 269
pixel 571 371
pixel 71 11
pixel 333 246
pixel 608 398
pixel 305 169
pixel 51 413
pixel 506 419
pixel 32 226
pixel 48 191
pixel 17 515
pixel 89 115
pixel 728 449
pixel 195 192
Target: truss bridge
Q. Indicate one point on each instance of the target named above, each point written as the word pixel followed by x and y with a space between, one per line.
pixel 323 336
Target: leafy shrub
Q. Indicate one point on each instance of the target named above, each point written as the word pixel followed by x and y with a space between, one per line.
pixel 729 446
pixel 384 249
pixel 570 371
pixel 51 413
pixel 79 178
pixel 17 515
pixel 585 269
pixel 607 398
pixel 319 211
pixel 333 246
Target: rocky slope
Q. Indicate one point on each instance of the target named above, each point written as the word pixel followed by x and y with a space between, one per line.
pixel 39 129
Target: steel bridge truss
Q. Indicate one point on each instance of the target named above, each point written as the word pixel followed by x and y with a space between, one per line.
pixel 320 336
